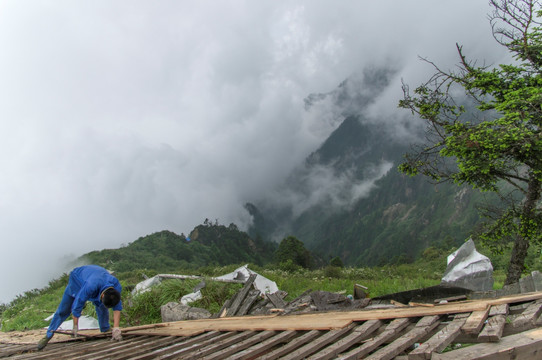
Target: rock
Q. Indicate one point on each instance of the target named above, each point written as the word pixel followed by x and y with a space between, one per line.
pixel 173 311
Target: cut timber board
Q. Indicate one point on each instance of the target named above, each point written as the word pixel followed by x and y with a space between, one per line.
pixel 493 329
pixel 439 341
pixel 327 321
pixel 475 322
pixel 525 346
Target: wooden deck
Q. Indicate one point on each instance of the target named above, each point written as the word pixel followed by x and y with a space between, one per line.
pixel 503 328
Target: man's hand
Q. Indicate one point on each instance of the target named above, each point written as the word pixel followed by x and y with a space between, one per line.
pixel 116 334
pixel 74 331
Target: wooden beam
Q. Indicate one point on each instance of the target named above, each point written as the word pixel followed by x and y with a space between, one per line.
pixel 388 334
pixel 291 345
pixel 247 304
pixel 525 346
pixel 215 346
pixel 439 341
pixel 183 345
pixel 502 309
pixel 493 330
pixel 276 300
pixel 264 346
pixel 331 320
pixel 528 316
pixel 359 334
pixel 475 322
pixel 317 344
pixel 422 328
pixel 239 346
pixel 241 295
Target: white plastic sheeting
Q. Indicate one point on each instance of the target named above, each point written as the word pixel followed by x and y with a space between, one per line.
pixel 240 274
pixel 469 269
pixel 85 323
pixel 190 298
pixel 261 283
pixel 146 285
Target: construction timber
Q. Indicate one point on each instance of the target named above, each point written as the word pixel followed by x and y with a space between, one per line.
pixel 500 328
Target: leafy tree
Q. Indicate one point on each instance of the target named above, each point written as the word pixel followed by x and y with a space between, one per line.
pixel 292 249
pixel 499 147
pixel 337 262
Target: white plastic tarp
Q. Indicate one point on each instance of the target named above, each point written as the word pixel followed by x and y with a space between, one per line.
pixel 146 285
pixel 190 298
pixel 241 274
pixel 85 323
pixel 261 283
pixel 469 269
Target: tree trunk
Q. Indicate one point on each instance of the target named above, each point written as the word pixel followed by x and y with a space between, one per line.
pixel 517 260
pixel 521 245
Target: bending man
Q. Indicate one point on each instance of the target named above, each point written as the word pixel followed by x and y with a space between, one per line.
pixel 88 283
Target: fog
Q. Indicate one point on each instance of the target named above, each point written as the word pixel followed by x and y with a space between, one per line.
pixel 122 118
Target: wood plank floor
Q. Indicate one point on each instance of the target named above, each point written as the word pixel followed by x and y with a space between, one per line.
pixel 408 333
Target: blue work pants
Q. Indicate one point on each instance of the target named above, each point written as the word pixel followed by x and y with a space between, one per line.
pixel 65 308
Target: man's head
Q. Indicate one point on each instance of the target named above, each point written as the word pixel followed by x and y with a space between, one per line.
pixel 110 297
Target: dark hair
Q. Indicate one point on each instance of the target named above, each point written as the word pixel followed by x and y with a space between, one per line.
pixel 111 297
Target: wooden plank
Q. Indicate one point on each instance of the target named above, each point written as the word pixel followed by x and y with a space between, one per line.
pixel 439 341
pixel 276 300
pixel 218 345
pixel 323 321
pixel 90 350
pixel 292 345
pixel 525 346
pixel 251 353
pixel 528 316
pixel 493 330
pixel 241 296
pixel 232 349
pixel 360 333
pixel 390 331
pixel 131 350
pixel 182 343
pixel 247 304
pixel 319 343
pixel 499 310
pixel 422 328
pixel 451 298
pixel 186 350
pixel 475 321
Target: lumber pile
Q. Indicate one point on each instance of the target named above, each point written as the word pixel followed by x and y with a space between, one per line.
pixel 250 301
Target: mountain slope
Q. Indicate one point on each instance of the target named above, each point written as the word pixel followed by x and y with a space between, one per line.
pixel 349 200
pixel 208 244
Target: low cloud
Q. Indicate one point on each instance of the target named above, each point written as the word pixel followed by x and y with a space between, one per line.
pixel 119 119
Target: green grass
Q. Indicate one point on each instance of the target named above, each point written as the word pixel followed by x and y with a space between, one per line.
pixel 28 310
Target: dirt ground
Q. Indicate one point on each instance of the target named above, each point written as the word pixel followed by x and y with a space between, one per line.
pixel 33 336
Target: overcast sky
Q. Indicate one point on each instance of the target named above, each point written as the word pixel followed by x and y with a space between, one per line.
pixel 122 118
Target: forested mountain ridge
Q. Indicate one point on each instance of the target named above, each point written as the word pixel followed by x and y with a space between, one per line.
pixel 208 244
pixel 367 212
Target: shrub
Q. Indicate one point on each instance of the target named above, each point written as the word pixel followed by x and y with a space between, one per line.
pixel 333 272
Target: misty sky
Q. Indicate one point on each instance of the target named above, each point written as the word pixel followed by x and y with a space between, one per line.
pixel 122 118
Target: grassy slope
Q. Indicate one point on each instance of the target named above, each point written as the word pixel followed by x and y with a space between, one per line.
pixel 28 310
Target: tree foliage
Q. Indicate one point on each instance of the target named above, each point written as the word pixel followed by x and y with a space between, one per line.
pixel 209 244
pixel 498 147
pixel 292 250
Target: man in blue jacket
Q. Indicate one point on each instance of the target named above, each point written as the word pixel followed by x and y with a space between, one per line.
pixel 88 283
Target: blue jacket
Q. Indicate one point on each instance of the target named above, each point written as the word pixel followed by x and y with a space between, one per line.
pixel 87 284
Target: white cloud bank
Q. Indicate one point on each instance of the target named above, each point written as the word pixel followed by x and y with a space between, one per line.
pixel 119 119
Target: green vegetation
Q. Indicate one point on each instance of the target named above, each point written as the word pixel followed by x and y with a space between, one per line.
pixel 27 311
pixel 499 147
pixel 292 253
pixel 208 244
